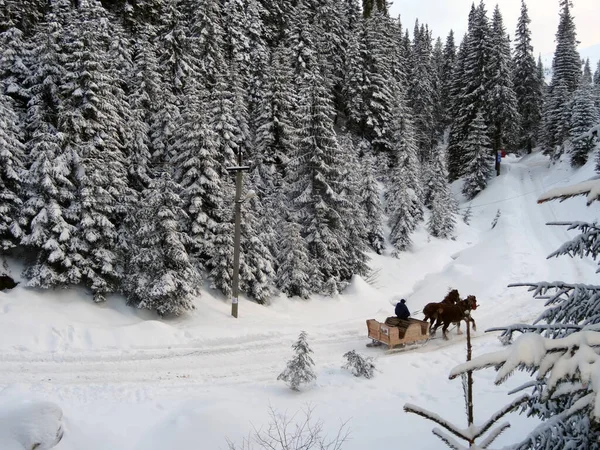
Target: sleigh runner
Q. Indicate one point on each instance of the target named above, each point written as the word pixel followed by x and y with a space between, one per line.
pixel 396 332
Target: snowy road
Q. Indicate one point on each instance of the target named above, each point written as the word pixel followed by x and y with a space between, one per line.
pixel 121 377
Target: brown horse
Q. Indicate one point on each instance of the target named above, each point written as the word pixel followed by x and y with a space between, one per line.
pixel 448 314
pixel 430 308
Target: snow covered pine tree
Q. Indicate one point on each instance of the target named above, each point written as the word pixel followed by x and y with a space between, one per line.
pixel 299 369
pixel 562 347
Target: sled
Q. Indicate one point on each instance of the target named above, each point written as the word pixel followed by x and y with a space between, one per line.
pixel 397 333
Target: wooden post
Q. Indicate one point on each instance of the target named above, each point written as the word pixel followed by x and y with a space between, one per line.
pixel 469 380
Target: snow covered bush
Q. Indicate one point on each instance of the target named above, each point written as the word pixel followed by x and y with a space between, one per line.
pixel 467 215
pixel 287 433
pixel 359 365
pixel 31 426
pixel 299 369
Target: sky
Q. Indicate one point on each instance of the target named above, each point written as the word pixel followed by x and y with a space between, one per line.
pixel 444 15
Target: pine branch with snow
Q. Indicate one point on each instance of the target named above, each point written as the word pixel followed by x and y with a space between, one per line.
pixel 299 369
pixel 567 370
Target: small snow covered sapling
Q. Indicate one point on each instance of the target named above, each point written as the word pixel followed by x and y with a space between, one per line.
pixel 467 215
pixel 299 369
pixel 359 365
pixel 495 221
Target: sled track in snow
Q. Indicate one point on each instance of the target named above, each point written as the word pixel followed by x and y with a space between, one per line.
pixel 257 360
pixel 253 359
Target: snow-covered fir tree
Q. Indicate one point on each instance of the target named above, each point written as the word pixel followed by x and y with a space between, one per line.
pixel 378 91
pixel 49 180
pixel 299 369
pixel 15 54
pixel 316 186
pixel 502 112
pixel 445 79
pixel 566 73
pixel 421 92
pixel 478 150
pixel 404 197
pixel 161 275
pixel 472 80
pixel 275 127
pixel 370 198
pixel 300 42
pixel 584 115
pixel 371 7
pixel 294 268
pixel 197 171
pixel 257 272
pixel 527 83
pixel 144 102
pixel 596 86
pixel 455 155
pixel 231 137
pixel 443 207
pixel 11 175
pixel 93 127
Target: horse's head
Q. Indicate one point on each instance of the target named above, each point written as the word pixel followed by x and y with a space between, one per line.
pixel 452 297
pixel 472 302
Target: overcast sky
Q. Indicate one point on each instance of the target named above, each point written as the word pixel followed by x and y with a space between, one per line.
pixel 444 15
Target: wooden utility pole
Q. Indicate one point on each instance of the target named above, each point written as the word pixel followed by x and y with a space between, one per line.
pixel 469 380
pixel 235 289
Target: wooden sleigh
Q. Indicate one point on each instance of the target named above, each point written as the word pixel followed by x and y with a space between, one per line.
pixel 397 333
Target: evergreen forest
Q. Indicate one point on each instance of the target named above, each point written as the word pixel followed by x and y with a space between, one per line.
pixel 119 119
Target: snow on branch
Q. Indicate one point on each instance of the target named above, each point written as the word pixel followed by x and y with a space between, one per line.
pixel 480 430
pixel 569 366
pixel 536 438
pixel 587 243
pixel 452 443
pixel 591 188
pixel 473 432
pixel 592 132
pixel 408 407
pixel 569 303
pixel 507 331
pixel 494 435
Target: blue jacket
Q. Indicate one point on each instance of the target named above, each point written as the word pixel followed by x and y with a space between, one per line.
pixel 402 311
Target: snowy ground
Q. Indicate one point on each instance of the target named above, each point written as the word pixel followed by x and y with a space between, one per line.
pixel 125 380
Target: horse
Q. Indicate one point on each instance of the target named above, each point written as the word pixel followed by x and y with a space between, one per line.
pixel 448 314
pixel 451 298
